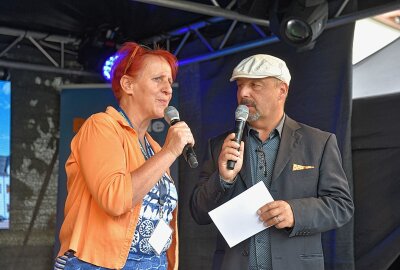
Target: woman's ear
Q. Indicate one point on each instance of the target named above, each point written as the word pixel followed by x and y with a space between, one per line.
pixel 127 85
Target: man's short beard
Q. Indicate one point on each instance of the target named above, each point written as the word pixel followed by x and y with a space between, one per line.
pixel 253 117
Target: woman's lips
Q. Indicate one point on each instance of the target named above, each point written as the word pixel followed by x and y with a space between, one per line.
pixel 163 102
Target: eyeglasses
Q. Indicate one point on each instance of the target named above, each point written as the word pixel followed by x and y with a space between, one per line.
pixel 261 160
pixel 132 56
pixel 128 65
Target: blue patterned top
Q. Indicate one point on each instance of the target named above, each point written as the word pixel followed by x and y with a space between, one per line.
pixel 151 210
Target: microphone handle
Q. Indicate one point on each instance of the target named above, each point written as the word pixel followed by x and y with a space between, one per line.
pixel 174 121
pixel 238 137
pixel 190 156
pixel 188 152
pixel 231 164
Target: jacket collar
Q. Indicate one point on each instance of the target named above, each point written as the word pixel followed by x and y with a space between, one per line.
pixel 117 116
pixel 289 140
pixel 111 111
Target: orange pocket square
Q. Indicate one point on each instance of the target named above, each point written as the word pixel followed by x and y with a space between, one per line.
pixel 297 167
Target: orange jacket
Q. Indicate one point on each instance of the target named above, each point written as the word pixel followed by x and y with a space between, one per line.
pixel 99 218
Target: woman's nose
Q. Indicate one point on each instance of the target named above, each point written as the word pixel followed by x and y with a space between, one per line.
pixel 167 89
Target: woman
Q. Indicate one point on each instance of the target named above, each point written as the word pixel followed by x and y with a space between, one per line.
pixel 119 189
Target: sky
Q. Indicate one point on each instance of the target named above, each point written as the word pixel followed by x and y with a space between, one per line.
pixel 5 114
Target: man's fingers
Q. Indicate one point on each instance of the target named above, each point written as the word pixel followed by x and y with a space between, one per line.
pixel 267 207
pixel 230 137
pixel 276 213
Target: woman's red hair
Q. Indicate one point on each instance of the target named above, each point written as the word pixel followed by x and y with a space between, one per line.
pixel 128 56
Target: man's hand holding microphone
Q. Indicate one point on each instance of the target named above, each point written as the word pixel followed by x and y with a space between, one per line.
pixel 230 160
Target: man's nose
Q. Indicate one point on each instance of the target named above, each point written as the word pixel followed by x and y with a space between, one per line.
pixel 244 91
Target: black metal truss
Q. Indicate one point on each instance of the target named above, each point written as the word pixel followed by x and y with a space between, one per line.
pixel 181 35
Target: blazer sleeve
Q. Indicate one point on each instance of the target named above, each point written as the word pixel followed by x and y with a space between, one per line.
pixel 208 193
pixel 333 206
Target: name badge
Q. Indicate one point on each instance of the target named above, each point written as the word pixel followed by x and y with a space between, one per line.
pixel 160 236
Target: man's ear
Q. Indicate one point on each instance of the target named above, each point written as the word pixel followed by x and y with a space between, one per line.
pixel 127 85
pixel 283 91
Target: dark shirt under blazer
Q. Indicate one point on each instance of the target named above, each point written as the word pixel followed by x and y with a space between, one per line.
pixel 319 196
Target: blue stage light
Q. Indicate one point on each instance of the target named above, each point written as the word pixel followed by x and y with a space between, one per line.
pixel 108 64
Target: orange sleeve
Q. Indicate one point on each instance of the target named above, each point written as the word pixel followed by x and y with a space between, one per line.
pixel 98 150
pixel 173 251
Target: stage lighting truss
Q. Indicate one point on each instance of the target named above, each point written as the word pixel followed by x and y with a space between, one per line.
pixel 299 23
pixel 57 51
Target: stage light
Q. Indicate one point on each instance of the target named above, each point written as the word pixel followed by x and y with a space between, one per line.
pixel 301 23
pixel 108 64
pixel 96 47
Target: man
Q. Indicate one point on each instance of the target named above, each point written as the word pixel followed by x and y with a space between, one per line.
pixel 300 165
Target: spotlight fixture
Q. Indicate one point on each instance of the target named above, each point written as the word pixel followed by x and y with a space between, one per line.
pixel 301 23
pixel 97 46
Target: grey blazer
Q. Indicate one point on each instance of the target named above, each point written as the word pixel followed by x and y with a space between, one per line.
pixel 318 194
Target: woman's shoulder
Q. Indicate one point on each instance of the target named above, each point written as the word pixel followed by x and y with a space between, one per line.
pixel 101 121
pixel 100 117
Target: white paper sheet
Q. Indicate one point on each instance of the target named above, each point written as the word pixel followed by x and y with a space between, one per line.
pixel 237 219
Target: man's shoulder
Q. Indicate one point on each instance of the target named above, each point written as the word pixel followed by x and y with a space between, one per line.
pixel 308 130
pixel 314 130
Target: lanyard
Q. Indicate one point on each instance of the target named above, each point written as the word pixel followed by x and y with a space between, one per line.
pixel 144 152
pixel 121 111
pixel 147 153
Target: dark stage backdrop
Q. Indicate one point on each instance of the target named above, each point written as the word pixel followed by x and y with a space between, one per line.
pixel 319 95
pixel 376 156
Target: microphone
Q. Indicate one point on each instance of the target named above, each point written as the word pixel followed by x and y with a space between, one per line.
pixel 241 114
pixel 171 115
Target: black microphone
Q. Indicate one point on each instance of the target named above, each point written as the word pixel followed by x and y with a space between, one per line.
pixel 171 115
pixel 241 114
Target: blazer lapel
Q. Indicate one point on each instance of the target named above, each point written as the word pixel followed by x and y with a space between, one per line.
pixel 290 138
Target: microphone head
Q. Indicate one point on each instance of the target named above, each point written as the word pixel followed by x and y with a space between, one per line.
pixel 242 112
pixel 171 114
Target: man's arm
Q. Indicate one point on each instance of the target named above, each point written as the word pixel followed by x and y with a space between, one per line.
pixel 333 206
pixel 212 191
pixel 208 191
